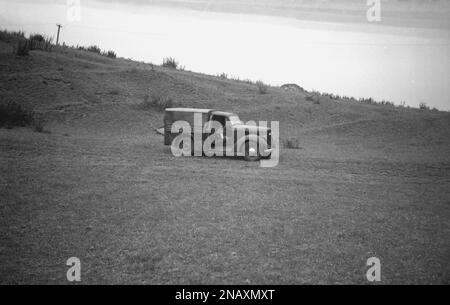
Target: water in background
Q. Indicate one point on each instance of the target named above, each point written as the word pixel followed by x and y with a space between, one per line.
pixel 354 60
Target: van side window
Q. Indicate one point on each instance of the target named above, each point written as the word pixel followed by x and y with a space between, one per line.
pixel 221 119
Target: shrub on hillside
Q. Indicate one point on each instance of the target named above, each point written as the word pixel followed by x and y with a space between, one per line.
pixel 23 45
pixel 313 97
pixel 262 88
pixel 292 88
pixel 156 101
pixel 40 42
pixel 97 50
pixel 22 48
pixel 110 54
pixel 367 100
pixel 13 114
pixel 38 124
pixel 8 36
pixel 292 143
pixel 37 37
pixel 424 106
pixel 383 102
pixel 170 62
pixel 94 49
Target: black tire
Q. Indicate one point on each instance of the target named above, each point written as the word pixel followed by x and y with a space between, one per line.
pixel 251 151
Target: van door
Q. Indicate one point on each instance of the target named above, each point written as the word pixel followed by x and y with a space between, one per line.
pixel 225 135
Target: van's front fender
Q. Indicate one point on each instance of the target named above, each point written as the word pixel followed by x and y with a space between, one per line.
pixel 240 144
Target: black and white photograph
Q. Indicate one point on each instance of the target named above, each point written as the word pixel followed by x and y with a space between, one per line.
pixel 216 143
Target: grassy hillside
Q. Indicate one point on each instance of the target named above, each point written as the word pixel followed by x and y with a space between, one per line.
pixel 365 180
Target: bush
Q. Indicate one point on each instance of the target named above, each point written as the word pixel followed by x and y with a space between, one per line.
pixel 170 62
pixel 38 124
pixel 110 54
pixel 383 102
pixel 367 100
pixel 292 88
pixel 94 49
pixel 8 36
pixel 156 101
pixel 13 114
pixel 37 37
pixel 262 88
pixel 23 47
pixel 40 42
pixel 314 97
pixel 292 143
pixel 423 106
pixel 97 50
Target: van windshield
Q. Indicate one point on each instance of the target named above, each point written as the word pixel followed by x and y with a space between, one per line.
pixel 234 119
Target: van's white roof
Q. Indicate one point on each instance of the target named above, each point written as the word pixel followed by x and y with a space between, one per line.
pixel 188 110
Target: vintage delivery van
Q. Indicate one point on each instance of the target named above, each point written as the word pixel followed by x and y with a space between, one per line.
pixel 235 138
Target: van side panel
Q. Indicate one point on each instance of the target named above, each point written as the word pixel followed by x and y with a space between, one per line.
pixel 167 127
pixel 172 116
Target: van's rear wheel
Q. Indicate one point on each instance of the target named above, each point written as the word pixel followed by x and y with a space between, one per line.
pixel 251 151
pixel 183 146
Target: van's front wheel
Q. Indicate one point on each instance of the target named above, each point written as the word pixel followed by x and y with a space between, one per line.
pixel 251 151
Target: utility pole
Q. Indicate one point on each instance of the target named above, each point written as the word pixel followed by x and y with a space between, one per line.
pixel 57 36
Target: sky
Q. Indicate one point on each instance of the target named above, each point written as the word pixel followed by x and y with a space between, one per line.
pixel 385 62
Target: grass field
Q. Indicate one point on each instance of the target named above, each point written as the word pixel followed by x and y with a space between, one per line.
pixel 366 180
